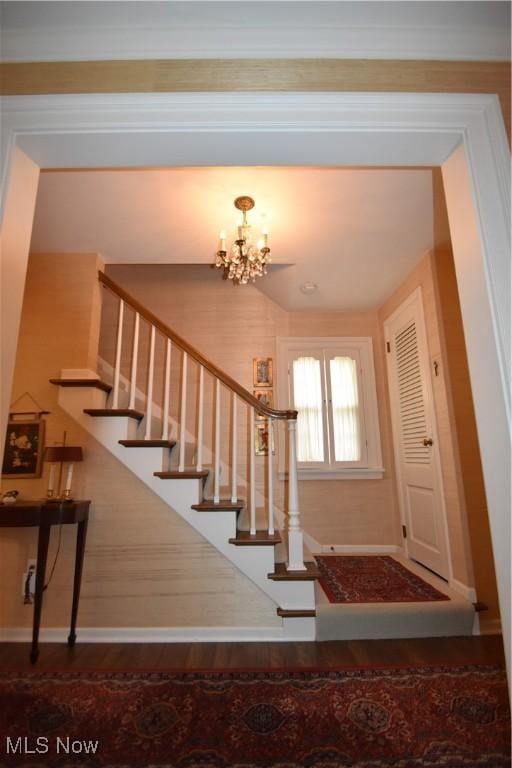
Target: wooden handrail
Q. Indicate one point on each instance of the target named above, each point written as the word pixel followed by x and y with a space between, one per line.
pixel 233 385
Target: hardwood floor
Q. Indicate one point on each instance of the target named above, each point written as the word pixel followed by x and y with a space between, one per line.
pixel 129 656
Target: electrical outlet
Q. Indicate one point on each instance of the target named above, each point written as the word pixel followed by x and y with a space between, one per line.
pixel 28 584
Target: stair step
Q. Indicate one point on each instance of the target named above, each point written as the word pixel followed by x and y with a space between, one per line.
pixel 148 443
pixel 223 504
pixel 127 412
pixel 296 613
pixel 187 474
pixel 244 539
pixel 281 573
pixel 97 383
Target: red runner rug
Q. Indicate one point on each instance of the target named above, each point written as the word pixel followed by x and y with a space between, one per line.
pixel 455 717
pixel 372 579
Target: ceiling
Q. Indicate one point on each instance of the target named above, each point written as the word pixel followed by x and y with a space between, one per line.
pixel 55 31
pixel 354 233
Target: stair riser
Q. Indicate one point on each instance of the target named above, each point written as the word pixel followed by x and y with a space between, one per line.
pixel 296 594
pixel 149 460
pixel 370 625
pixel 305 628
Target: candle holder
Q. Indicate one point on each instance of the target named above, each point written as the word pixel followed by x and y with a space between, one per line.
pixel 60 455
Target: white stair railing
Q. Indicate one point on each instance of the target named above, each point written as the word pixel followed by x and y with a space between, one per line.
pixel 200 421
pixel 167 391
pixel 234 453
pixel 183 411
pixel 216 471
pixel 270 478
pixel 135 360
pixel 294 531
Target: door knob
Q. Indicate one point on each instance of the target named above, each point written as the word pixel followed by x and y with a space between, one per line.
pixel 427 441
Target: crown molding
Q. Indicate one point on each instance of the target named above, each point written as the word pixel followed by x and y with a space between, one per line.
pixel 68 32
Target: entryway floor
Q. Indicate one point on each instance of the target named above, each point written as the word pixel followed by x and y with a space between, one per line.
pixel 374 621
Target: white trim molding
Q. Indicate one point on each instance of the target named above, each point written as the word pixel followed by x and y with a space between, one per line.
pixel 282 30
pixel 489 627
pixel 156 634
pixel 469 593
pixel 361 549
pixel 354 129
pixel 353 473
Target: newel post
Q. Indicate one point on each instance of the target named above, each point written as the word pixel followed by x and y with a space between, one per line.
pixel 295 537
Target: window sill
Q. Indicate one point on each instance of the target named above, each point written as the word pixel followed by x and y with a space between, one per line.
pixel 351 473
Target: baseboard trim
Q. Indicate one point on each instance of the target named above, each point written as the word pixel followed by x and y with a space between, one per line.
pixel 468 592
pixel 490 627
pixel 361 549
pixel 159 634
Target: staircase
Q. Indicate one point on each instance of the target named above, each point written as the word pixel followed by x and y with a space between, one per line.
pixel 185 471
pixel 199 473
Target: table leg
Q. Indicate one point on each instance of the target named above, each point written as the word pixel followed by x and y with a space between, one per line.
pixel 79 561
pixel 42 554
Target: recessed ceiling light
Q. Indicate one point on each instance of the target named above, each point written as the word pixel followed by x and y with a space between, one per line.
pixel 308 288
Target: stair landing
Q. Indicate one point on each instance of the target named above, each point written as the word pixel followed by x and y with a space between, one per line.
pixel 380 621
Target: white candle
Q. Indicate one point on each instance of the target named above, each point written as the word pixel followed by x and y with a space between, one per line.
pixel 51 478
pixel 222 238
pixel 265 237
pixel 69 477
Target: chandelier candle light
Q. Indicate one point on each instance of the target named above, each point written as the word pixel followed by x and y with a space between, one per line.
pixel 245 261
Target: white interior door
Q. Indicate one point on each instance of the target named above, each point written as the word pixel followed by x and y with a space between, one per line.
pixel 414 435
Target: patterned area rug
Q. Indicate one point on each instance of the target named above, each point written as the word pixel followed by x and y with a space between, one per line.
pixel 455 717
pixel 372 579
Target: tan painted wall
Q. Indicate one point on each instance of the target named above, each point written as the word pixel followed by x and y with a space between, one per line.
pixel 231 326
pixel 422 275
pixel 463 417
pixel 144 566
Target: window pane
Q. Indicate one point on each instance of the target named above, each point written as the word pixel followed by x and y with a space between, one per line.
pixel 307 398
pixel 345 409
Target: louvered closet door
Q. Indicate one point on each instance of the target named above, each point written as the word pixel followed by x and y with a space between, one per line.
pixel 416 448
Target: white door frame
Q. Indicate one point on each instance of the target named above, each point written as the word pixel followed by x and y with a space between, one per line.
pixel 464 134
pixel 417 296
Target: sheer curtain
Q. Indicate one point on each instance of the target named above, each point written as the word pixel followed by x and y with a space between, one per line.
pixel 345 409
pixel 307 398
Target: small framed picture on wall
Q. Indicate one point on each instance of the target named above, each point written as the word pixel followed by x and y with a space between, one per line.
pixel 266 397
pixel 261 438
pixel 24 446
pixel 262 372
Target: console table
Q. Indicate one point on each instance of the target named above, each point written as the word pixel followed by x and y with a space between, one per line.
pixel 43 514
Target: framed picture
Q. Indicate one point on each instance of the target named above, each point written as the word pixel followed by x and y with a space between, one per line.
pixel 265 396
pixel 261 439
pixel 24 445
pixel 262 372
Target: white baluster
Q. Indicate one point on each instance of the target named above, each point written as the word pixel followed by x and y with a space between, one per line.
pixel 117 365
pixel 270 480
pixel 167 387
pixel 216 480
pixel 252 478
pixel 199 466
pixel 295 537
pixel 135 356
pixel 151 375
pixel 234 496
pixel 183 413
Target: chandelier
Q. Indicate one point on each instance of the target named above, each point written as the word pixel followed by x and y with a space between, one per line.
pixel 244 261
